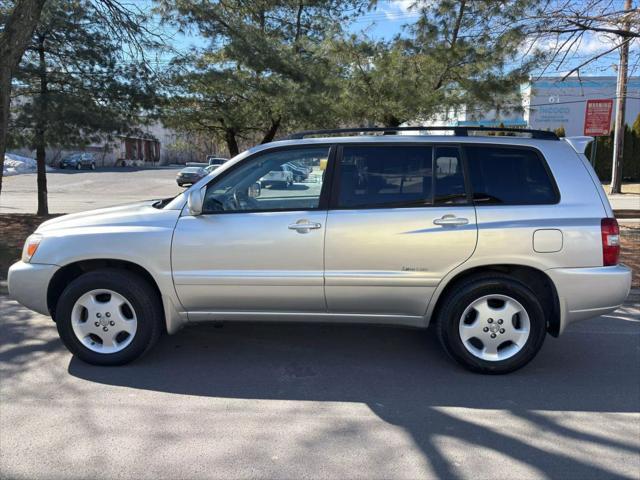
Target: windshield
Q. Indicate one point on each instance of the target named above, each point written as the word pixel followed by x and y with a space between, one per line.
pixel 191 170
pixel 75 156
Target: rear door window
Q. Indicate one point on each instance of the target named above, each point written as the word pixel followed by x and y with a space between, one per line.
pixel 509 175
pixel 385 176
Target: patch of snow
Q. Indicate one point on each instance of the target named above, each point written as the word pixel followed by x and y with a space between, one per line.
pixel 17 164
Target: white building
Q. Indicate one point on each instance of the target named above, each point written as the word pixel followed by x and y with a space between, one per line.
pixel 549 103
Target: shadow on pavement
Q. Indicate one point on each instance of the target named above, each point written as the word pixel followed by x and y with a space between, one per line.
pixel 405 378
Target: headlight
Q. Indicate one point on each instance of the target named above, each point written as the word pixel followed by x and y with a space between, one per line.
pixel 30 247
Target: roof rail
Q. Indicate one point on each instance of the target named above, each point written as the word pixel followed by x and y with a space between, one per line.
pixel 457 131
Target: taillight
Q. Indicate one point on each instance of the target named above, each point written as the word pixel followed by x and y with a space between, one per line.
pixel 610 241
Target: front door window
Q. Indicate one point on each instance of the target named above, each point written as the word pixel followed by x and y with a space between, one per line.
pixel 277 181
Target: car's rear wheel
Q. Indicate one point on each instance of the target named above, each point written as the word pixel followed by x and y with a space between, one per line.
pixel 109 317
pixel 492 324
pixel 93 166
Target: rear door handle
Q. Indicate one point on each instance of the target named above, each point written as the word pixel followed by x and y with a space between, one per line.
pixel 303 226
pixel 451 220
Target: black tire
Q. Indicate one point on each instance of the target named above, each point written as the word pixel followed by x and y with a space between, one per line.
pixel 78 166
pixel 454 305
pixel 93 166
pixel 143 298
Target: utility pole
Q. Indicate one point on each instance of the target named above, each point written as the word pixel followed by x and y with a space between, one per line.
pixel 621 100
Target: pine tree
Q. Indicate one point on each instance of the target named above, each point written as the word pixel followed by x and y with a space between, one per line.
pixel 74 85
pixel 459 54
pixel 264 70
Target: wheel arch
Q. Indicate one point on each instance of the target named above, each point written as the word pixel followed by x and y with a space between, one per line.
pixel 534 278
pixel 71 271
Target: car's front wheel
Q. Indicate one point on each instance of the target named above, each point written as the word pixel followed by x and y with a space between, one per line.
pixel 78 166
pixel 492 324
pixel 93 166
pixel 109 317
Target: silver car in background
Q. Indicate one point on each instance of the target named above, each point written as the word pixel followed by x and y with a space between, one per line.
pixel 496 241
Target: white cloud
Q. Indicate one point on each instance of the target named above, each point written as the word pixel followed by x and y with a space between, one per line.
pixel 402 9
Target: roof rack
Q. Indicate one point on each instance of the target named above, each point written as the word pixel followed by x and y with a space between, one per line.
pixel 457 131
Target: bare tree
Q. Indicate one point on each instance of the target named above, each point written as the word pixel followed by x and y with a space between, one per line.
pixel 14 38
pixel 563 26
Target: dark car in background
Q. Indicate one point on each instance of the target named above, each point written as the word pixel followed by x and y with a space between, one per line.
pixel 190 175
pixel 79 160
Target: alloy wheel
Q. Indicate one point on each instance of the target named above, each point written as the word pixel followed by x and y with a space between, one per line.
pixel 104 321
pixel 494 327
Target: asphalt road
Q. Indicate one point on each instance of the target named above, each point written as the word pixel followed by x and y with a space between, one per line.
pixel 317 401
pixel 75 191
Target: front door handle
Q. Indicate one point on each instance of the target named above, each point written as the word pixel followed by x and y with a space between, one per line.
pixel 303 226
pixel 451 220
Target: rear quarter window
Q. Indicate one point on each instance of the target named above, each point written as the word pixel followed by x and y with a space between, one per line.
pixel 509 175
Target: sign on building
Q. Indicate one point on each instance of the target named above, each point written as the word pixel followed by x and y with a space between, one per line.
pixel 597 117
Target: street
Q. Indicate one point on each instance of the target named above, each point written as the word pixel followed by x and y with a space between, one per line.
pixel 318 401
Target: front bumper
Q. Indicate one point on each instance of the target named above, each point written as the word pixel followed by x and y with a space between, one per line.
pixel 28 284
pixel 589 292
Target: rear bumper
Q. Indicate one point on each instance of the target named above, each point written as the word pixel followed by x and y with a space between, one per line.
pixel 28 284
pixel 589 292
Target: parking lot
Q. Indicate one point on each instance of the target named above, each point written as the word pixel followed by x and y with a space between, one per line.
pixel 314 401
pixel 73 191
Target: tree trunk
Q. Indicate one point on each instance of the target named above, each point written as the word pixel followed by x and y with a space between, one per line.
pixel 621 100
pixel 232 143
pixel 271 133
pixel 13 41
pixel 390 120
pixel 41 128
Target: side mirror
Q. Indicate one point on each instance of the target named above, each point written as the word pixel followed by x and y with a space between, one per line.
pixel 254 190
pixel 194 202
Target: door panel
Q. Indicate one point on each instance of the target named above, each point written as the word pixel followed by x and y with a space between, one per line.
pixel 249 261
pixel 401 219
pixel 256 248
pixel 389 261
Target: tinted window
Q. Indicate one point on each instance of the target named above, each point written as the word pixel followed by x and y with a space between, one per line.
pixel 449 179
pixel 502 175
pixel 390 176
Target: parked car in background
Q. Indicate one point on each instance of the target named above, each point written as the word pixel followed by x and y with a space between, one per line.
pixel 281 177
pixel 498 241
pixel 216 161
pixel 78 161
pixel 190 175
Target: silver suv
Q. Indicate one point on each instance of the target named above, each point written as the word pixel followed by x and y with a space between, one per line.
pixel 495 240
